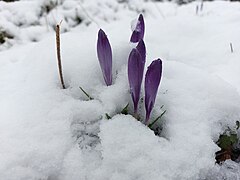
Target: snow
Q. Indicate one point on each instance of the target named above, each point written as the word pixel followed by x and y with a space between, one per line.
pixel 50 133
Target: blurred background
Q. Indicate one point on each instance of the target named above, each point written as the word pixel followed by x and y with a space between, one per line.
pixel 28 20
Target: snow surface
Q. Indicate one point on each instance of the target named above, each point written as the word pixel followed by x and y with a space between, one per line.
pixel 47 133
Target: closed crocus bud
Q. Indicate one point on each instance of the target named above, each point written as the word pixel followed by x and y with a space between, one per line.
pixel 104 53
pixel 135 75
pixel 138 32
pixel 152 81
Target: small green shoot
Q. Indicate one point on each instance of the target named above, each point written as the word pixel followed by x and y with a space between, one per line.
pixel 107 116
pixel 89 97
pixel 159 117
pixel 237 125
pixel 125 110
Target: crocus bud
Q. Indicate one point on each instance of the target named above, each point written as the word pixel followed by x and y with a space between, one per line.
pixel 104 53
pixel 152 81
pixel 138 32
pixel 135 75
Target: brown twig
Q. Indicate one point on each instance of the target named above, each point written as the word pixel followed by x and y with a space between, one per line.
pixel 59 54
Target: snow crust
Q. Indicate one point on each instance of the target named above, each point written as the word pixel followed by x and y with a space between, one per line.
pixel 52 134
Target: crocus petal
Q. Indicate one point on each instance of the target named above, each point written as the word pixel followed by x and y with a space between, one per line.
pixel 138 32
pixel 104 53
pixel 135 75
pixel 142 50
pixel 152 81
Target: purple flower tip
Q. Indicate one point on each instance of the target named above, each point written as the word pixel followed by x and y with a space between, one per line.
pixel 104 53
pixel 138 32
pixel 135 75
pixel 152 81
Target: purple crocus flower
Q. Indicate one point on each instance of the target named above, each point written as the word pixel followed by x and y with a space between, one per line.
pixel 152 81
pixel 104 53
pixel 135 75
pixel 138 32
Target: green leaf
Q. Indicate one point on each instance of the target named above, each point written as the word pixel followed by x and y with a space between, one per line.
pixel 89 97
pixel 233 138
pixel 226 141
pixel 107 116
pixel 125 110
pixel 159 117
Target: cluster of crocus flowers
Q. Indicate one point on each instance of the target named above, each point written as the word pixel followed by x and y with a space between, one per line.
pixel 136 64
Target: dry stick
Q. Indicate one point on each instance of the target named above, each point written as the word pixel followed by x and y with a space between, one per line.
pixel 59 54
pixel 201 7
pixel 231 46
